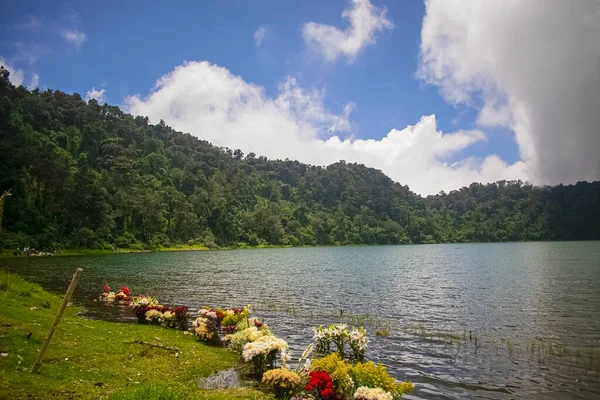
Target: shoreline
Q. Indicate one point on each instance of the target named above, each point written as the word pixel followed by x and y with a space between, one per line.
pixel 8 253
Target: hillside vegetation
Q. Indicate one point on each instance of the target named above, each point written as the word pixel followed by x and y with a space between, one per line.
pixel 89 175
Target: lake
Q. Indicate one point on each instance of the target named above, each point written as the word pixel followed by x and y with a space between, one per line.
pixel 492 321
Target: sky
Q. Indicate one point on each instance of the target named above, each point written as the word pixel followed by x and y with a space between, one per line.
pixel 436 94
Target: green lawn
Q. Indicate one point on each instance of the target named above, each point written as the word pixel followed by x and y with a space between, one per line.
pixel 96 359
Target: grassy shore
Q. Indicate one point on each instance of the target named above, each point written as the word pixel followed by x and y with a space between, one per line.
pixel 99 359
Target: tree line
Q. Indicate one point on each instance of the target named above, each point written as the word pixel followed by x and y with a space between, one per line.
pixel 89 175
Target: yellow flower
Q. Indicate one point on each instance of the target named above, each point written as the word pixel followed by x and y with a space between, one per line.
pixel 281 377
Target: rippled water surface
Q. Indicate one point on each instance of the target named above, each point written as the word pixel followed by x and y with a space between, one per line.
pixel 491 321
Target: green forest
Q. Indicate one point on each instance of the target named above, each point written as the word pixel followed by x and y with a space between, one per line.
pixel 85 175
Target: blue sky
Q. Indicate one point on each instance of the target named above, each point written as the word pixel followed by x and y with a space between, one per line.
pixel 123 48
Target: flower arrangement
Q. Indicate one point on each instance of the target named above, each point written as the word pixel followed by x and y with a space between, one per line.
pixel 365 393
pixel 263 353
pixel 168 318
pixel 107 295
pixel 121 295
pixel 358 343
pixel 233 317
pixel 202 329
pixel 141 304
pixel 219 319
pixel 153 316
pixel 340 372
pixel 371 375
pixel 285 383
pixel 330 377
pixel 339 335
pixel 238 340
pixel 320 385
pixel 181 317
pixel 143 301
pixel 323 339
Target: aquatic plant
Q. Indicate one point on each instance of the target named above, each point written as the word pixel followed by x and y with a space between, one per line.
pixel 385 331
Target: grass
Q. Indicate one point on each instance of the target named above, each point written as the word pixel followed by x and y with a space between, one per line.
pixel 96 359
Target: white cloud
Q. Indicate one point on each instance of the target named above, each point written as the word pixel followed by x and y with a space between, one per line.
pixel 532 66
pixel 213 104
pixel 365 20
pixel 75 37
pixel 259 35
pixel 33 23
pixel 17 76
pixel 98 95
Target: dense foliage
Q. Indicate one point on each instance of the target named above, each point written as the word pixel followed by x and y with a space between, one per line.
pixel 86 175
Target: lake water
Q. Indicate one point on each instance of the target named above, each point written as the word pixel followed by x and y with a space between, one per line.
pixel 491 321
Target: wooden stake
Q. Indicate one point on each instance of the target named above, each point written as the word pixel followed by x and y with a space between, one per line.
pixel 3 198
pixel 61 310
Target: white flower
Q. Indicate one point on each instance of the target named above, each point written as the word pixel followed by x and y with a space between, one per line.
pixel 168 315
pixel 263 346
pixel 365 393
pixel 153 314
pixel 358 337
pixel 308 365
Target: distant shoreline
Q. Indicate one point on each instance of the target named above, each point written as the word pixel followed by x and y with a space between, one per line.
pixel 7 253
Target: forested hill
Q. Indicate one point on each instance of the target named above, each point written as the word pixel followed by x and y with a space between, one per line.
pixel 85 175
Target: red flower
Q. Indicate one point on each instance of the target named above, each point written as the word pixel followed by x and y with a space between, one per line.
pixel 321 382
pixel 107 288
pixel 181 310
pixel 125 290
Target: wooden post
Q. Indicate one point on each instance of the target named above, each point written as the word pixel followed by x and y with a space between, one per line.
pixel 3 198
pixel 61 310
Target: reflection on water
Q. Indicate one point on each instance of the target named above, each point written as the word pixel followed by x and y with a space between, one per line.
pixel 470 320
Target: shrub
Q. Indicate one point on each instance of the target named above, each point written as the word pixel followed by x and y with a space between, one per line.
pixel 159 240
pixel 15 240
